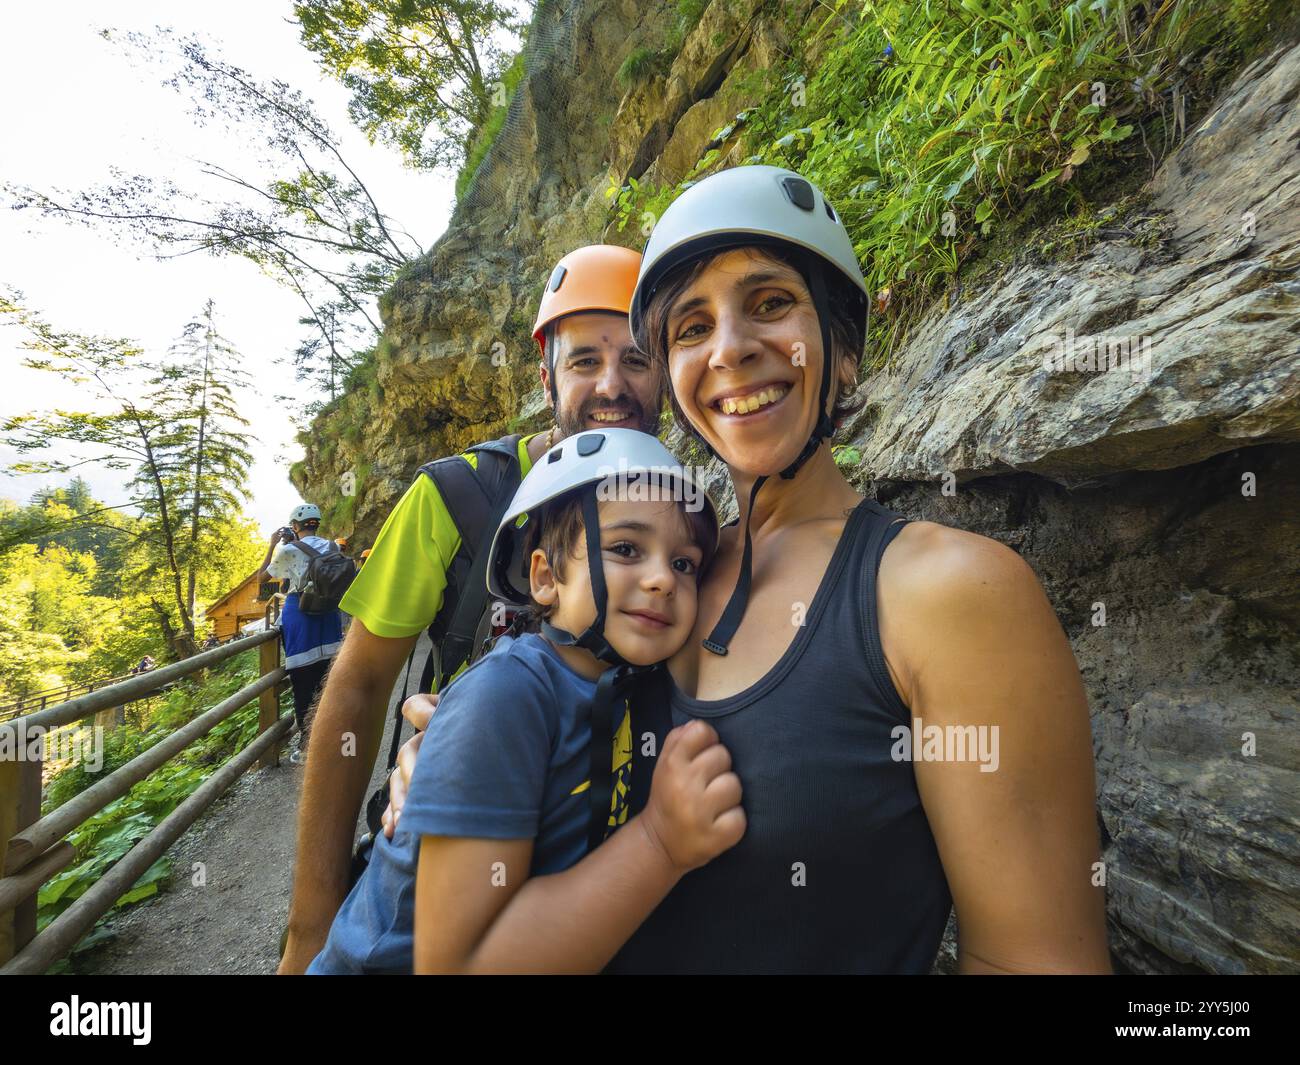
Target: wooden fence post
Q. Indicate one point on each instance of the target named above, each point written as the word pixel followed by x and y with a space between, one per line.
pixel 111 718
pixel 20 806
pixel 268 703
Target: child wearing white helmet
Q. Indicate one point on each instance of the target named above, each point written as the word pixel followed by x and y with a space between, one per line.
pixel 534 756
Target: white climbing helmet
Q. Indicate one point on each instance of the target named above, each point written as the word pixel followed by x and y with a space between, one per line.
pixel 756 205
pixel 305 512
pixel 585 459
pixel 734 208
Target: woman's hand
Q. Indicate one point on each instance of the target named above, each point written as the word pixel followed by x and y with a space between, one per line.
pixel 418 710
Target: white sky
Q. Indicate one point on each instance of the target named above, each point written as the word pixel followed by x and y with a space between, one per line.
pixel 77 106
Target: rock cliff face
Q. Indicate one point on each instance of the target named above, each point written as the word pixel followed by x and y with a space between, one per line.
pixel 1128 421
pixel 1158 502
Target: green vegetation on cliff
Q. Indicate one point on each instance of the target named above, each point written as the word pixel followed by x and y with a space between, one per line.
pixel 933 126
pixel 483 136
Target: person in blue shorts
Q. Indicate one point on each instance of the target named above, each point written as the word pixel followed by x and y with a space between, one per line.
pixel 310 640
pixel 531 839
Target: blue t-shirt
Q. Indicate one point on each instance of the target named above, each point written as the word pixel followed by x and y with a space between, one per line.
pixel 506 757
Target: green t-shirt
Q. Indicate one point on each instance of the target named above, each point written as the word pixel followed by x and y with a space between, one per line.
pixel 398 592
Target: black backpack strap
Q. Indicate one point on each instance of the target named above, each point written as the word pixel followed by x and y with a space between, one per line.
pixel 476 499
pixel 649 704
pixel 395 744
pixel 306 549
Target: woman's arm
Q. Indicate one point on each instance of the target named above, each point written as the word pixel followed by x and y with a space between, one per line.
pixel 972 640
pixel 477 911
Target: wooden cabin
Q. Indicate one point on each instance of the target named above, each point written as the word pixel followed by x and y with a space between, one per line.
pixel 236 608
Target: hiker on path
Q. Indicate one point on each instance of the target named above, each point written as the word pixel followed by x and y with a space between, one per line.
pixel 311 633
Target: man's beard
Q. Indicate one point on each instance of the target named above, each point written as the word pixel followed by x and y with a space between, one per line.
pixel 644 421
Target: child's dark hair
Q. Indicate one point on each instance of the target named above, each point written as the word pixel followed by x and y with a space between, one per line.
pixel 561 528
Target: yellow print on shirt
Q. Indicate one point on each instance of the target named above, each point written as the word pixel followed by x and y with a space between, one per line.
pixel 622 767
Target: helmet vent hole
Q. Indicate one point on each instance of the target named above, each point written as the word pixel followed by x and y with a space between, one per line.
pixel 590 443
pixel 830 211
pixel 555 455
pixel 557 279
pixel 799 192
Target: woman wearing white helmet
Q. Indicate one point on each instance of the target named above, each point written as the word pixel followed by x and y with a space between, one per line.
pixel 831 629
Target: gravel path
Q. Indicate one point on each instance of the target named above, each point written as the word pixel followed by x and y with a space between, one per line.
pixel 231 923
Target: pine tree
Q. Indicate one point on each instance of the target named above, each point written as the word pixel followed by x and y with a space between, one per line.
pixel 214 453
pixel 183 440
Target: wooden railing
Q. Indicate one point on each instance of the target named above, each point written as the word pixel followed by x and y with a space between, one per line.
pixel 34 848
pixel 40 700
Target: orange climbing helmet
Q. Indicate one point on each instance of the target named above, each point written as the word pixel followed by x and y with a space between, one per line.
pixel 599 277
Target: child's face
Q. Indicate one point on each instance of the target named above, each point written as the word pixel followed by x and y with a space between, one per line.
pixel 651 567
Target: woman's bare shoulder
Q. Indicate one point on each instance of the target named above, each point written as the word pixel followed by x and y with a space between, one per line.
pixel 948 598
pixel 933 565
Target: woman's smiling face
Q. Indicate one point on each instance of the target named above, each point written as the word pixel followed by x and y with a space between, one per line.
pixel 745 359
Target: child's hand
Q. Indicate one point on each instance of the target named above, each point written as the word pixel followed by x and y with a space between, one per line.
pixel 418 710
pixel 694 811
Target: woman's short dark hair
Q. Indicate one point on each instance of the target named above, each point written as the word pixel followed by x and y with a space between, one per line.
pixel 845 302
pixel 561 527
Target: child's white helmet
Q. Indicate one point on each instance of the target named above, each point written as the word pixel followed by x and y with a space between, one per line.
pixel 585 459
pixel 584 462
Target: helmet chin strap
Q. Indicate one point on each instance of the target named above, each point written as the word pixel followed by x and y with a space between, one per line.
pixel 727 625
pixel 614 683
pixel 593 637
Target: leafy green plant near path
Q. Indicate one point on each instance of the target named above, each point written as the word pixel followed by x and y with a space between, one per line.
pixel 930 125
pixel 107 836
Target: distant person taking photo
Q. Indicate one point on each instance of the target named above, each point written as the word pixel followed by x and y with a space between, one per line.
pixel 311 626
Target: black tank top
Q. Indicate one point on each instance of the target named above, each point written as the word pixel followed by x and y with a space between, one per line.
pixel 837 871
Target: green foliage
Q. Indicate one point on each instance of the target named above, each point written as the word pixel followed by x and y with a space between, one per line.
pixel 1248 19
pixel 421 72
pixel 485 134
pixel 846 458
pixel 183 441
pixel 68 616
pixel 337 516
pixel 642 64
pixel 307 219
pixel 929 125
pixel 107 836
pixel 689 13
pixel 362 471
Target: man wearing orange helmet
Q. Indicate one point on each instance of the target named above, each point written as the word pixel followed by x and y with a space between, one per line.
pixel 421 572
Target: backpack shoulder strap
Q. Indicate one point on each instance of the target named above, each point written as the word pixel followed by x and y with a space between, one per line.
pixel 306 549
pixel 469 493
pixel 475 498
